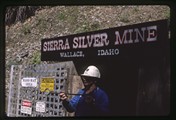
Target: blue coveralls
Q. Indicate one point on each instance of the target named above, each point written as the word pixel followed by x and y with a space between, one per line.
pixel 98 107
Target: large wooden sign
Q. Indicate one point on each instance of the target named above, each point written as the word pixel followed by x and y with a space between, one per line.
pixel 113 42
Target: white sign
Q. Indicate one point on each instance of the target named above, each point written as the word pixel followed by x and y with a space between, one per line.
pixel 40 106
pixel 26 110
pixel 26 107
pixel 29 82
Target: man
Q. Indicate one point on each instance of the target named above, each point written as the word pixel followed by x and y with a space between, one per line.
pixel 90 101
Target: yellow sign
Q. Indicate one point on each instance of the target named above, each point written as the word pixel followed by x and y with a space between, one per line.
pixel 47 83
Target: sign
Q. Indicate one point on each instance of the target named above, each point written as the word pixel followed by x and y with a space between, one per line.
pixel 26 103
pixel 40 106
pixel 29 82
pixel 26 110
pixel 26 107
pixel 47 83
pixel 113 42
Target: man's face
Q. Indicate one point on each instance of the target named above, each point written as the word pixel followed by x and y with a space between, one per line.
pixel 87 81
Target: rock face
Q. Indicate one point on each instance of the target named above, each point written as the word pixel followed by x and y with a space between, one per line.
pixel 22 37
pixel 19 13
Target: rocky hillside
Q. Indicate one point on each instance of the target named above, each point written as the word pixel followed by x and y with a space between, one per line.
pixel 23 39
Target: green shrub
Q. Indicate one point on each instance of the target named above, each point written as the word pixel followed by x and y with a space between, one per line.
pixel 125 18
pixel 36 58
pixel 61 16
pixel 25 30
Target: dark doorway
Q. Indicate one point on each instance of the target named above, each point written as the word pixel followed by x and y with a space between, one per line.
pixel 135 85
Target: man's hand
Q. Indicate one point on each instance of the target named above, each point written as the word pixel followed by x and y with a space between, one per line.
pixel 63 96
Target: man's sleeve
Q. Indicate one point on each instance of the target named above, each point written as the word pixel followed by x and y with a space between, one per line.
pixel 71 105
pixel 68 106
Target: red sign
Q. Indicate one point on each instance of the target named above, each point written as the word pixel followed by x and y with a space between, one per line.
pixel 26 103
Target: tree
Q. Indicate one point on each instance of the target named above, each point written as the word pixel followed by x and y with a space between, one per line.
pixel 14 14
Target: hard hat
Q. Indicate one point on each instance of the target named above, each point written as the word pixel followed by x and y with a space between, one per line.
pixel 91 71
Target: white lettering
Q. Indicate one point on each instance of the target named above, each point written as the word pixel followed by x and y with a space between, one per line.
pixel 83 44
pixel 108 52
pixel 89 40
pixel 75 42
pixel 97 41
pixel 45 46
pixel 104 37
pixel 56 45
pixel 72 54
pixel 120 40
pixel 138 33
pixel 94 40
pixel 144 34
pixel 51 46
pixel 152 35
pixel 130 32
pixel 61 44
pixel 67 46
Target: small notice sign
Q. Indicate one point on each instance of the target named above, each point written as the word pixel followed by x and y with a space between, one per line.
pixel 40 106
pixel 26 103
pixel 26 110
pixel 26 107
pixel 47 83
pixel 29 82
